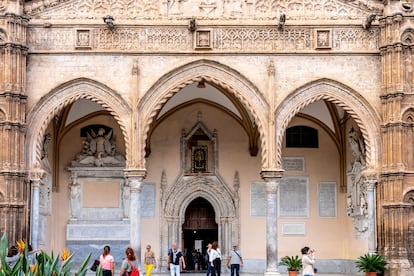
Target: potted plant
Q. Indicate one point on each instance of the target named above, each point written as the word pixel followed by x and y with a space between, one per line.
pixel 371 264
pixel 293 263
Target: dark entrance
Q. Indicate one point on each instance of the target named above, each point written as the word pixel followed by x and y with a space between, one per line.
pixel 199 229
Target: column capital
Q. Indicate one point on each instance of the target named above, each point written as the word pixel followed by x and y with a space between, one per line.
pixel 36 174
pixel 271 174
pixel 135 173
pixel 371 183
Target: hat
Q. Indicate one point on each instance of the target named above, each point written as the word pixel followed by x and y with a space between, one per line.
pixel 235 244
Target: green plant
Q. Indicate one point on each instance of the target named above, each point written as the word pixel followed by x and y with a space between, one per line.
pixel 45 265
pixel 371 263
pixel 293 263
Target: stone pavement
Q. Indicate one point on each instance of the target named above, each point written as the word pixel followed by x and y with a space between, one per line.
pixel 90 273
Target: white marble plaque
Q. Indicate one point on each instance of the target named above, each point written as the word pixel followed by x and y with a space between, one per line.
pixel 294 197
pixel 148 200
pixel 327 199
pixel 293 228
pixel 257 199
pixel 294 164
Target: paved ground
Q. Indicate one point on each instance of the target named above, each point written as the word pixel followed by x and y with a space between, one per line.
pixel 227 274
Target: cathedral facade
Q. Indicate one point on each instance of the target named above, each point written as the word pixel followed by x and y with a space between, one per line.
pixel 273 124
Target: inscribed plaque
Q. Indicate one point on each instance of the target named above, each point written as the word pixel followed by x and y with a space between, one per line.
pixel 327 199
pixel 148 200
pixel 257 199
pixel 294 197
pixel 294 164
pixel 293 228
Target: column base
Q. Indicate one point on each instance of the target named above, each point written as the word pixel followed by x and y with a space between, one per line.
pixel 272 273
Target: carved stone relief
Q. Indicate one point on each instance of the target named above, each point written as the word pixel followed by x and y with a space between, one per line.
pixel 225 9
pixel 217 39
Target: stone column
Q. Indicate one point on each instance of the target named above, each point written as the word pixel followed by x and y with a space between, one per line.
pixel 135 179
pixel 272 179
pixel 35 177
pixel 372 233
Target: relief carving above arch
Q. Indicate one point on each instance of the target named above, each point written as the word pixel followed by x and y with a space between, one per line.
pixel 208 9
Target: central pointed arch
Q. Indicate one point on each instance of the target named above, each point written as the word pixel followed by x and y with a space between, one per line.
pixel 216 74
pixel 325 89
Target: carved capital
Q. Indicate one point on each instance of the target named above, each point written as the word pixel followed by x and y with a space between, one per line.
pixel 268 174
pixel 36 174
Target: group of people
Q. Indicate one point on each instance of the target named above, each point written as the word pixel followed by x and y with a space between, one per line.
pixel 129 264
pixel 176 260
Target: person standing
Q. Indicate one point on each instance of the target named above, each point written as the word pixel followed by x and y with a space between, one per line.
pixel 208 259
pixel 128 262
pixel 215 259
pixel 235 261
pixel 173 261
pixel 308 261
pixel 149 260
pixel 106 262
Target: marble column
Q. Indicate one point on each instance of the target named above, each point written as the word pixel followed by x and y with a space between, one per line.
pixel 35 177
pixel 135 179
pixel 372 233
pixel 272 179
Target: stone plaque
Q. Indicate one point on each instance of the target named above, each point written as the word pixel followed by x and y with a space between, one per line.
pixel 323 39
pixel 148 200
pixel 258 199
pixel 203 39
pixel 327 199
pixel 293 228
pixel 100 194
pixel 294 197
pixel 294 164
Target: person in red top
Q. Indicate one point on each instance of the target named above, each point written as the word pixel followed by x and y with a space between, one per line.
pixel 106 261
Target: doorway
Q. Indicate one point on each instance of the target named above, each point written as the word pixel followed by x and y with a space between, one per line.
pixel 199 229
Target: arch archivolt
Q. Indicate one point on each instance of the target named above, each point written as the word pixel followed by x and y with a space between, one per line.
pixel 354 104
pixel 216 74
pixel 50 105
pixel 209 188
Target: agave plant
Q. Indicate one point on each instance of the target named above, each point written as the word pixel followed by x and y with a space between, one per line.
pixel 45 265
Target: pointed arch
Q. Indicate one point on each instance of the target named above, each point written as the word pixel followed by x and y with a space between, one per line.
pixel 325 89
pixel 216 74
pixel 51 104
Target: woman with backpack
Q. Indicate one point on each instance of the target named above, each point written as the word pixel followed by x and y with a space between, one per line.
pixel 129 266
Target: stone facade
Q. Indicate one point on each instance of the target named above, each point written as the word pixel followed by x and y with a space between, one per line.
pixel 268 66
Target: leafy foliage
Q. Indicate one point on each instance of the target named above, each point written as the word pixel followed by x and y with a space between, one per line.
pixel 371 263
pixel 45 265
pixel 293 263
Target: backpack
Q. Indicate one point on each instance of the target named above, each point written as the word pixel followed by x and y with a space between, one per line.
pixel 134 271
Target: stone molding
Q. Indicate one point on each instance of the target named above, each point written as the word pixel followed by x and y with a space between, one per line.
pixel 202 9
pixel 224 39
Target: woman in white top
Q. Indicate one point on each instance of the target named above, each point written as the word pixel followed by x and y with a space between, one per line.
pixel 215 259
pixel 308 260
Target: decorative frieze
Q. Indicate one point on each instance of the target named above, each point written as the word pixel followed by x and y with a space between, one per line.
pixel 209 9
pixel 217 39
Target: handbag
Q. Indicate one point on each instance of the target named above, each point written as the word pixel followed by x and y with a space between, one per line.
pixel 95 265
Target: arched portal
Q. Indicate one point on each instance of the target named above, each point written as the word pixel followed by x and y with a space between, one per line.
pixel 189 189
pixel 199 229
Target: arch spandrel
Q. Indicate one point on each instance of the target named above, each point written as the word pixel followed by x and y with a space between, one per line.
pixel 217 74
pixel 353 103
pixel 50 105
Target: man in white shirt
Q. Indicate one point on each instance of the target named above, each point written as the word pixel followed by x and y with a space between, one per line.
pixel 235 260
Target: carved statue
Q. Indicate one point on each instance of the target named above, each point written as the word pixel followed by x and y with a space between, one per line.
pixel 75 204
pixel 126 198
pixel 45 146
pixel 98 150
pixel 357 147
